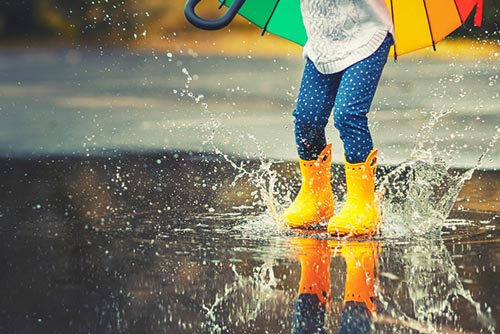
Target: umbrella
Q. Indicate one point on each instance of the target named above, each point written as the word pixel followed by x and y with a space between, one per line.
pixel 417 23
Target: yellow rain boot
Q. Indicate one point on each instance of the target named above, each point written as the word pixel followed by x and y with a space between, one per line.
pixel 359 215
pixel 314 202
pixel 359 294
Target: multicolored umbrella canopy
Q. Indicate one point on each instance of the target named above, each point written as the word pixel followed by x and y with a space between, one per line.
pixel 417 23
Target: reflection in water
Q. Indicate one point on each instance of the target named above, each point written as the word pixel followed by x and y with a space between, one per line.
pixel 359 295
pixel 314 287
pixel 359 300
pixel 177 243
pixel 427 292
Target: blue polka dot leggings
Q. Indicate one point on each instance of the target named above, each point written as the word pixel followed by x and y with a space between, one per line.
pixel 350 94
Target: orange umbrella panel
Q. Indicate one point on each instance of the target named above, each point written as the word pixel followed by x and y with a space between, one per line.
pixel 422 23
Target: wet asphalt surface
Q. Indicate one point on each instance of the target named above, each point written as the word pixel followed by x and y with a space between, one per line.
pixel 136 188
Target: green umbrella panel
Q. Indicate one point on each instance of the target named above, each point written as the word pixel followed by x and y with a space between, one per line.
pixel 279 17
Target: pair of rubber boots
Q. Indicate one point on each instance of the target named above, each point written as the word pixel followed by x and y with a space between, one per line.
pixel 314 290
pixel 314 202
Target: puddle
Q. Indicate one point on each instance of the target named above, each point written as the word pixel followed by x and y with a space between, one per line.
pixel 184 242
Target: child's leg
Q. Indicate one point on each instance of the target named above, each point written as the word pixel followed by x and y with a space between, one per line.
pixel 359 214
pixel 314 202
pixel 314 107
pixel 354 98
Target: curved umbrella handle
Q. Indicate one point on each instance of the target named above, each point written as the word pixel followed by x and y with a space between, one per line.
pixel 219 23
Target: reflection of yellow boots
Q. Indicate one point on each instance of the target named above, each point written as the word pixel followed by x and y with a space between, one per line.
pixel 359 293
pixel 315 268
pixel 359 215
pixel 361 263
pixel 314 202
pixel 314 288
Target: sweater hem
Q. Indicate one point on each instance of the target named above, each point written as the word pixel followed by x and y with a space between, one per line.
pixel 357 55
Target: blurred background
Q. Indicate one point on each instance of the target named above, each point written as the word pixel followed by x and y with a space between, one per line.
pixel 101 76
pixel 125 22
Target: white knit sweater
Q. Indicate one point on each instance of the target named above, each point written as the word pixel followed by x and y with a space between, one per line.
pixel 343 32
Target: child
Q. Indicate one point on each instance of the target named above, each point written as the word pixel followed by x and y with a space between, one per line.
pixel 347 48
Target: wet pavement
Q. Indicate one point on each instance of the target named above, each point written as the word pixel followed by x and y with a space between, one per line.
pixel 83 101
pixel 139 193
pixel 186 243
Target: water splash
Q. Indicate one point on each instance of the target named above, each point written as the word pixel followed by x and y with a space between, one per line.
pixel 245 300
pixel 186 91
pixel 425 289
pixel 416 199
pixel 419 194
pixel 264 178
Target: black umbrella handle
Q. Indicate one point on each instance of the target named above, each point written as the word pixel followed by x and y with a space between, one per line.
pixel 215 24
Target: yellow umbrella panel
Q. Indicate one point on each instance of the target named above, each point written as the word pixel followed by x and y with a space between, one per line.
pixel 422 23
